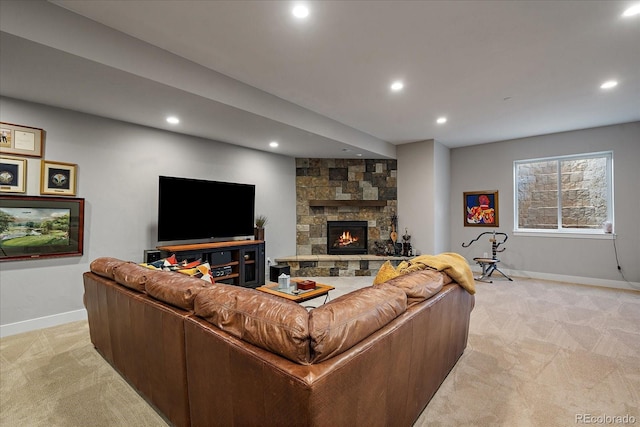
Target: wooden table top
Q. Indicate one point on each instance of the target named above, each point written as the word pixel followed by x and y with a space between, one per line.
pixel 321 289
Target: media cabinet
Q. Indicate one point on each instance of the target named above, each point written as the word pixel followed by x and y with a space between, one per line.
pixel 245 257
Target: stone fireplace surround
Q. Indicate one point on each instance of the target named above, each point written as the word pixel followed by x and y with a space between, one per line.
pixel 342 190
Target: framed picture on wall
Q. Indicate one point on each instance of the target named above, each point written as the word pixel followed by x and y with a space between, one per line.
pixel 481 208
pixel 58 178
pixel 20 140
pixel 40 227
pixel 13 174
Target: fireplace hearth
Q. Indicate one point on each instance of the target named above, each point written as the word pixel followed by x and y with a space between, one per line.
pixel 347 237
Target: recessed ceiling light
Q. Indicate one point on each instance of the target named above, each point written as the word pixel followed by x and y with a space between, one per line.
pixel 609 84
pixel 632 11
pixel 173 120
pixel 273 144
pixel 441 120
pixel 300 11
pixel 397 86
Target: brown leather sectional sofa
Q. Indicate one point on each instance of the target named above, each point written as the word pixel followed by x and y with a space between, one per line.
pixel 220 355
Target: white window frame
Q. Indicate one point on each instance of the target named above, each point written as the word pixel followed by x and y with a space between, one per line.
pixel 594 233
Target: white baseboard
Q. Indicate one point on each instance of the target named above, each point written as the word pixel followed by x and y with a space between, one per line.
pixel 42 322
pixel 589 281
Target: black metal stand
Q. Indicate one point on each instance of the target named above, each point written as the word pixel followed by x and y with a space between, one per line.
pixel 489 265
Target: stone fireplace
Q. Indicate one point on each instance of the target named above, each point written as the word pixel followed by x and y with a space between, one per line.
pixel 347 237
pixel 343 190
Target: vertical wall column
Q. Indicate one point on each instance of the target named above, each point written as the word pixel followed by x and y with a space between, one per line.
pixel 424 195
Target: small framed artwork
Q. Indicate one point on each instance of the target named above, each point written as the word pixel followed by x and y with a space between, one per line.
pixel 58 178
pixel 40 227
pixel 20 140
pixel 13 174
pixel 481 208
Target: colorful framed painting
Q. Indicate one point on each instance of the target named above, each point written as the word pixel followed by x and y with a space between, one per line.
pixel 58 178
pixel 34 227
pixel 481 209
pixel 13 174
pixel 20 140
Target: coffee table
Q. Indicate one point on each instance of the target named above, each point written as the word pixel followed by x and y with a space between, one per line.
pixel 302 295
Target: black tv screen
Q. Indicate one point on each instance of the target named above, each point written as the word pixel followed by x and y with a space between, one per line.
pixel 194 209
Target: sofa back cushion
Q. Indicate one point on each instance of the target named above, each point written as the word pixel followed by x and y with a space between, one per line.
pixel 105 266
pixel 419 285
pixel 174 288
pixel 340 324
pixel 267 321
pixel 132 276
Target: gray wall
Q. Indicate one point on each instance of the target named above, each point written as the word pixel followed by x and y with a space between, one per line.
pixel 118 169
pixel 118 166
pixel 490 167
pixel 442 198
pixel 415 184
pixel 423 195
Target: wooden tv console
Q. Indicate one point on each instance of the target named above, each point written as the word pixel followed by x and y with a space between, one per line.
pixel 245 257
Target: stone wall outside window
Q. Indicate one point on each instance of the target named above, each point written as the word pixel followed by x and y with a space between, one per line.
pixel 583 193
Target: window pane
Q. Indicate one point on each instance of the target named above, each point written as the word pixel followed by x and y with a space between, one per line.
pixel 584 192
pixel 538 195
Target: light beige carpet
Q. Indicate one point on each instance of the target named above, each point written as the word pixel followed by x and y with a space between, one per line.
pixel 539 354
pixel 544 354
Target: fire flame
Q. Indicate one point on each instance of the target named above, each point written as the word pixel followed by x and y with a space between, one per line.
pixel 347 239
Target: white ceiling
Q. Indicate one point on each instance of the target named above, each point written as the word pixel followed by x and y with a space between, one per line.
pixel 247 72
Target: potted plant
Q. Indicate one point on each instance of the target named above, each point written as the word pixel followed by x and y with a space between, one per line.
pixel 261 220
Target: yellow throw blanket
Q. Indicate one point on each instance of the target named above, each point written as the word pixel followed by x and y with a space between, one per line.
pixel 455 265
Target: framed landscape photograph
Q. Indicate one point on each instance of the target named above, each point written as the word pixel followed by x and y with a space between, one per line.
pixel 20 140
pixel 13 174
pixel 40 227
pixel 481 208
pixel 58 178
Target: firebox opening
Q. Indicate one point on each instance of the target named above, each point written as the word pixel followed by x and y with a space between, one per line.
pixel 347 237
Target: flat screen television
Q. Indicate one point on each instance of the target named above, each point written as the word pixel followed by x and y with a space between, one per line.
pixel 195 209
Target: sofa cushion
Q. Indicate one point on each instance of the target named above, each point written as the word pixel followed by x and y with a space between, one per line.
pixel 132 276
pixel 105 266
pixel 454 264
pixel 267 321
pixel 347 320
pixel 174 288
pixel 419 285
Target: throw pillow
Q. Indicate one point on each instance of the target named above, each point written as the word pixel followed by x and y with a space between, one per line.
pixel 386 272
pixel 205 270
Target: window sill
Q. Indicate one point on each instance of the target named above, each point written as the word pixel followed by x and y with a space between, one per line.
pixel 566 234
